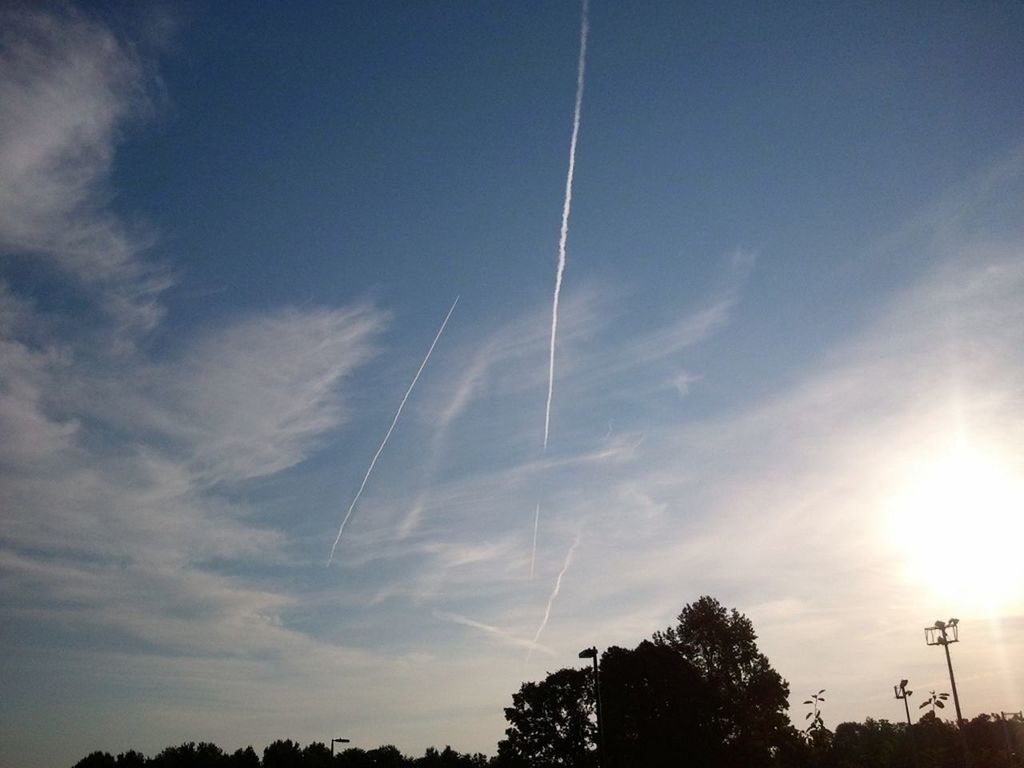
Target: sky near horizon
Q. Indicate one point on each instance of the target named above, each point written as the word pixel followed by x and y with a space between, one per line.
pixel 789 365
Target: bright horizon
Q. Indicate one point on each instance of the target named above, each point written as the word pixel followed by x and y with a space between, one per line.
pixel 279 280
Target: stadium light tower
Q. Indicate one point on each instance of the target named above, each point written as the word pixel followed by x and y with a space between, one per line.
pixel 944 633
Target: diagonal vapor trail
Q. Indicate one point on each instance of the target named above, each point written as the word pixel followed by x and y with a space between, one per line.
pixel 566 207
pixel 536 525
pixel 491 630
pixel 554 594
pixel 394 421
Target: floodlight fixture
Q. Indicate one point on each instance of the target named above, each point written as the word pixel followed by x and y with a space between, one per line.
pixel 900 689
pixel 943 632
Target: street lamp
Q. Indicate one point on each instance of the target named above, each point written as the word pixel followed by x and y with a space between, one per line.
pixel 944 633
pixel 340 741
pixel 902 693
pixel 591 653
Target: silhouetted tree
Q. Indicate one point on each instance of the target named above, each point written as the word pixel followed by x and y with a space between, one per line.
pixel 386 756
pixel 744 699
pixel 449 758
pixel 655 718
pixel 353 757
pixel 189 755
pixel 243 758
pixel 97 760
pixel 131 759
pixel 652 699
pixel 282 754
pixel 937 742
pixel 871 744
pixel 551 723
pixel 995 741
pixel 700 690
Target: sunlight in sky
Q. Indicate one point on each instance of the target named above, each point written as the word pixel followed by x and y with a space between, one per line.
pixel 229 234
pixel 958 523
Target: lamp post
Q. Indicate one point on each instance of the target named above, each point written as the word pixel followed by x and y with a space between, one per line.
pixel 902 693
pixel 944 633
pixel 591 653
pixel 339 741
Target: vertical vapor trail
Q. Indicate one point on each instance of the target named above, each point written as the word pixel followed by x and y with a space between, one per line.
pixel 566 206
pixel 394 421
pixel 554 594
pixel 536 524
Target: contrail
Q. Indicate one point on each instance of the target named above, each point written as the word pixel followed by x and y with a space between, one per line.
pixel 394 421
pixel 566 206
pixel 495 631
pixel 554 594
pixel 536 524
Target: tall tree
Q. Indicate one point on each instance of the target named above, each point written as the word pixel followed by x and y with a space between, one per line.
pixel 243 758
pixel 551 723
pixel 700 693
pixel 652 708
pixel 387 756
pixel 189 755
pixel 745 700
pixel 282 754
pixel 97 760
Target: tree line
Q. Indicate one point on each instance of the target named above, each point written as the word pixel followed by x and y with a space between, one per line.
pixel 284 754
pixel 700 693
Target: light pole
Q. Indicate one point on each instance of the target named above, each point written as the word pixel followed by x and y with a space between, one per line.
pixel 591 653
pixel 902 693
pixel 339 741
pixel 944 633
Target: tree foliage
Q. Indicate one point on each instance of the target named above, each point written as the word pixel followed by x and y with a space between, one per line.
pixel 551 724
pixel 744 700
pixel 652 698
pixel 701 689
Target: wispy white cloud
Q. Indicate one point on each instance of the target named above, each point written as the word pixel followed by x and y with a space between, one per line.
pixel 118 471
pixel 29 435
pixel 69 86
pixel 258 396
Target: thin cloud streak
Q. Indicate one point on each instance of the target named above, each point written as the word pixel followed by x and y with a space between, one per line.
pixel 497 632
pixel 401 405
pixel 566 207
pixel 554 594
pixel 536 525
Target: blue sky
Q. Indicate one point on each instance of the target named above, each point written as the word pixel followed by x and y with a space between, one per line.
pixel 788 362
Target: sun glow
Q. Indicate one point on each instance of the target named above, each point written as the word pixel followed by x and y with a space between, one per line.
pixel 959 523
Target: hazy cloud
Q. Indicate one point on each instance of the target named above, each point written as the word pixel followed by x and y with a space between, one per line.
pixel 68 86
